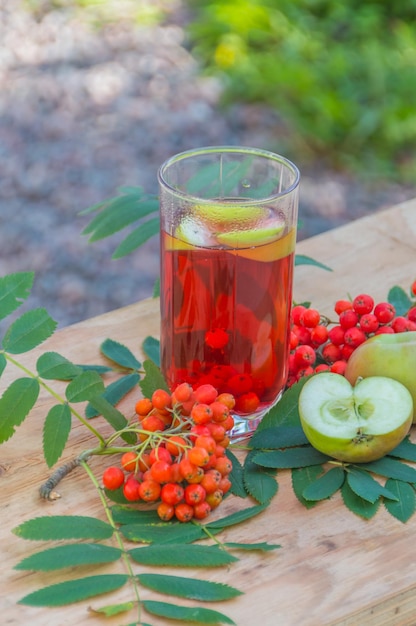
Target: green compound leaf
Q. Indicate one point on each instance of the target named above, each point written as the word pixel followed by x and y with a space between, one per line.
pixel 57 527
pixel 151 347
pixel 326 485
pixel 400 300
pixel 28 331
pixel 278 437
pixel 263 547
pixel 115 609
pixel 137 237
pixel 14 290
pixel 302 477
pixel 405 506
pixel 190 588
pixel 391 468
pixel 71 591
pixel 153 379
pixel 3 363
pixel 120 354
pixel 15 405
pixel 357 505
pixel 186 614
pixel 129 515
pixel 174 555
pixel 84 387
pixel 257 482
pixel 365 486
pixel 56 430
pixel 237 518
pixel 290 458
pixel 53 366
pixel 162 533
pixel 301 259
pixel 115 392
pixel 406 450
pixel 113 416
pixel 285 412
pixel 70 556
pixel 236 476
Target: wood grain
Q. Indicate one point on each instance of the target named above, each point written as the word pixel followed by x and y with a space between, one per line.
pixel 332 568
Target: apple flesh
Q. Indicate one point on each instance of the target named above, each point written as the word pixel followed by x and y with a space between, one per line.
pixel 355 424
pixel 392 355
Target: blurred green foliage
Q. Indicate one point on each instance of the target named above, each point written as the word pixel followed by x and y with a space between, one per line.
pixel 341 75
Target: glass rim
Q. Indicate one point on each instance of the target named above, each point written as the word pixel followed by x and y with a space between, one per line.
pixel 266 154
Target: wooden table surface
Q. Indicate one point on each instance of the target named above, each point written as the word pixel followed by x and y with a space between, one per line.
pixel 332 568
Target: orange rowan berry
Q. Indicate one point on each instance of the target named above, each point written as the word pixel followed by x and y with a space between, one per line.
pixel 143 406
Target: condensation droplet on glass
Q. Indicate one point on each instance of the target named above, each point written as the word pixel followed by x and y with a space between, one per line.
pixel 245 183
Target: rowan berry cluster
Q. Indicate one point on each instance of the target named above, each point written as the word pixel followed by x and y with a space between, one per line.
pixel 318 344
pixel 180 463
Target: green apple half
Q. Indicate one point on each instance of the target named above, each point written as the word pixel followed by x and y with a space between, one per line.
pixel 355 424
pixel 392 355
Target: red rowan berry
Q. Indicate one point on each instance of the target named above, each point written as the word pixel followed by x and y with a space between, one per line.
pixel 331 353
pixel 152 423
pixel 131 489
pixel 342 305
pixel 224 465
pixel 143 406
pixel 172 493
pixel 214 499
pixel 247 402
pixel 319 335
pixel 304 371
pixel 217 430
pixel 239 383
pixel 160 453
pixel 293 341
pixel 228 423
pixel 205 394
pixel 296 312
pixel 348 319
pixel 227 399
pixel 211 480
pixel 161 400
pixel 322 367
pixel 369 323
pixel 190 472
pixel 201 510
pixel 346 351
pixel 184 512
pixel 225 484
pixel 113 478
pixel 129 461
pixel 183 392
pixel 143 461
pixel 217 338
pixel 385 312
pixel 310 318
pixel 363 304
pixel 413 288
pixel 149 490
pixel 219 411
pixel 206 442
pixel 303 334
pixel 198 456
pixel 161 471
pixel 336 335
pixel 400 324
pixel 339 367
pixel 201 413
pixel 165 511
pixel 411 314
pixel 304 356
pixel 354 336
pixel 194 494
pixel 175 445
pixel 384 330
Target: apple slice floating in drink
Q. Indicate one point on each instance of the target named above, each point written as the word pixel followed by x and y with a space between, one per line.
pixel 355 424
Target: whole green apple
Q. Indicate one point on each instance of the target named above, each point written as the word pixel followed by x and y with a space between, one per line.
pixel 391 355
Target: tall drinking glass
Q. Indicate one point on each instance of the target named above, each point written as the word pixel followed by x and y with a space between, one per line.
pixel 228 233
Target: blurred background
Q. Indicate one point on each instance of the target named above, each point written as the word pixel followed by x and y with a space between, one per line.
pixel 96 94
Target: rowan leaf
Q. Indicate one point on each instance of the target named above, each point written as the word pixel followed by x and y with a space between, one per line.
pixel 152 380
pixel 290 458
pixel 15 405
pixel 399 299
pixel 405 505
pixel 14 290
pixel 151 347
pixel 391 468
pixel 129 515
pixel 57 527
pixel 190 588
pixel 113 416
pixel 236 476
pixel 357 505
pixel 285 412
pixel 28 331
pixel 115 609
pixel 115 392
pixel 54 366
pixel 84 387
pixel 257 482
pixel 325 485
pixel 186 614
pixel 238 517
pixel 56 429
pixel 302 477
pixel 120 354
pixel 263 547
pixel 70 555
pixel 278 437
pixel 137 237
pixel 3 363
pixel 365 486
pixel 174 555
pixel 76 590
pixel 302 259
pixel 406 450
pixel 162 533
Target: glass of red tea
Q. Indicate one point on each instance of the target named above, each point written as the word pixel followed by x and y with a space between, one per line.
pixel 228 233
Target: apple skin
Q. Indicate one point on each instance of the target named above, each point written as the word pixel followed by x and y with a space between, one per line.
pixel 391 355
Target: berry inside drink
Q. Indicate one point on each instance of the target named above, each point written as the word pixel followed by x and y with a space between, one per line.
pixel 225 307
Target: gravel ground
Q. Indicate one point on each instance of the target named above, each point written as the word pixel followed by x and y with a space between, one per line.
pixel 86 110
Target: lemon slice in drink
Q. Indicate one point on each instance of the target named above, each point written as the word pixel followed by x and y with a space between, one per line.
pixel 229 213
pixel 250 238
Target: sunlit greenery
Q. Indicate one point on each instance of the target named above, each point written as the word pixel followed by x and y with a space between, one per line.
pixel 342 75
